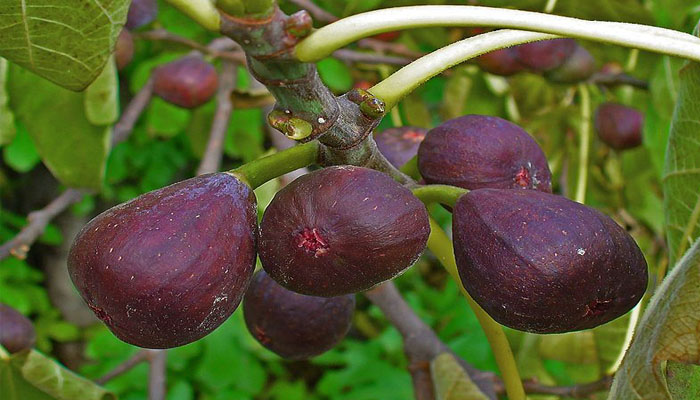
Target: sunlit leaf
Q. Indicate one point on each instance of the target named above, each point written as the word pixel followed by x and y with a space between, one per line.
pixel 451 381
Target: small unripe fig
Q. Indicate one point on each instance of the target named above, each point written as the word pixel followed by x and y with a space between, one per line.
pixel 546 54
pixel 502 62
pixel 170 266
pixel 341 230
pixel 618 126
pixel 541 263
pixel 188 82
pixel 293 325
pixel 16 331
pixel 124 50
pixel 387 36
pixel 399 145
pixel 141 12
pixel 578 67
pixel 479 151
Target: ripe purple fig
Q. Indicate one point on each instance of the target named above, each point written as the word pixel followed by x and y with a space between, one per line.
pixel 502 62
pixel 16 331
pixel 341 230
pixel 399 145
pixel 618 126
pixel 170 266
pixel 478 151
pixel 124 50
pixel 578 67
pixel 541 263
pixel 188 82
pixel 293 325
pixel 141 12
pixel 545 55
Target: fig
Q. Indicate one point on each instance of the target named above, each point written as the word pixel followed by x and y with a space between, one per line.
pixel 545 55
pixel 341 230
pixel 293 325
pixel 141 12
pixel 479 151
pixel 124 50
pixel 542 263
pixel 387 36
pixel 578 67
pixel 16 331
pixel 187 82
pixel 502 62
pixel 619 126
pixel 399 145
pixel 170 266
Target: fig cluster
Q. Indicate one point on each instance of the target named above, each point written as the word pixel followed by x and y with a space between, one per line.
pixel 560 60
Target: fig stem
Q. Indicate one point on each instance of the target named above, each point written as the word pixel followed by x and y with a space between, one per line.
pixel 324 41
pixel 441 246
pixel 444 194
pixel 257 172
pixel 202 12
pixel 585 145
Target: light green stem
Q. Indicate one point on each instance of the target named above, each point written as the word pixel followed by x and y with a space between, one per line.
pixel 444 194
pixel 202 12
pixel 441 246
pixel 326 40
pixel 257 172
pixel 585 145
pixel 402 82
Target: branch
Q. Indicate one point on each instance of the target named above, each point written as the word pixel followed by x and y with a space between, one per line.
pixel 317 12
pixel 607 79
pixel 157 377
pixel 38 220
pixel 217 51
pixel 211 160
pixel 128 364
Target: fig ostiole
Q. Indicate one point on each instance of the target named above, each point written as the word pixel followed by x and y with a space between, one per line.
pixel 170 266
pixel 542 263
pixel 16 331
pixel 293 325
pixel 341 230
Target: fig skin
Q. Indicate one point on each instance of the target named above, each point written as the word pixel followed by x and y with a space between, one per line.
pixel 478 151
pixel 545 55
pixel 541 263
pixel 619 126
pixel 141 12
pixel 124 51
pixel 16 331
pixel 170 266
pixel 341 230
pixel 187 82
pixel 399 145
pixel 577 68
pixel 503 62
pixel 293 325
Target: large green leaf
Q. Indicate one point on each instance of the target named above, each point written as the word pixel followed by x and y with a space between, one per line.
pixel 681 181
pixel 71 147
pixel 451 381
pixel 67 42
pixel 7 119
pixel 668 332
pixel 31 375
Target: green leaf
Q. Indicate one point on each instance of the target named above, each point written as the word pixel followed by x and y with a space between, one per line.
pixel 683 380
pixel 32 375
pixel 67 42
pixel 573 347
pixel 451 381
pixel 73 149
pixel 165 119
pixel 456 93
pixel 7 119
pixel 415 112
pixel 667 332
pixel 335 74
pixel 21 154
pixel 682 167
pixel 102 97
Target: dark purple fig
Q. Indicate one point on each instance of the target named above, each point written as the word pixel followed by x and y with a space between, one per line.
pixel 399 145
pixel 16 331
pixel 141 12
pixel 546 54
pixel 578 67
pixel 170 266
pixel 478 151
pixel 541 263
pixel 618 126
pixel 502 62
pixel 124 51
pixel 293 325
pixel 188 82
pixel 341 230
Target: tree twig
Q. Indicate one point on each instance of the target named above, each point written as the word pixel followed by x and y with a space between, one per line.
pixel 38 220
pixel 317 12
pixel 607 79
pixel 157 377
pixel 127 365
pixel 236 56
pixel 211 160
